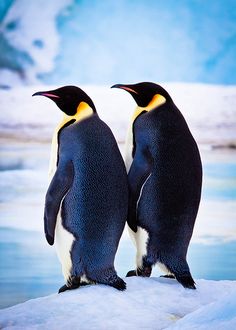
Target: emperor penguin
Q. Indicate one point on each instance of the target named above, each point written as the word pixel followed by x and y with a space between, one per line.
pixel 87 200
pixel 165 179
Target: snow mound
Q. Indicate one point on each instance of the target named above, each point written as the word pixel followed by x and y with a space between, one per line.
pixel 148 303
pixel 220 315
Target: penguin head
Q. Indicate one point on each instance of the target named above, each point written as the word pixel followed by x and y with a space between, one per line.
pixel 70 99
pixel 146 94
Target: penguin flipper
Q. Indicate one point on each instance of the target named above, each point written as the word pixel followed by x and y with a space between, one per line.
pixel 60 184
pixel 139 172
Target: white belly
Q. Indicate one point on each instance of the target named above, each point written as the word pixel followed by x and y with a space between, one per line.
pixel 53 157
pixel 140 239
pixel 63 242
pixel 129 148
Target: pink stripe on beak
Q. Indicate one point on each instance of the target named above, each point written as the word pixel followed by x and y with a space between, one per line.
pixel 128 89
pixel 50 95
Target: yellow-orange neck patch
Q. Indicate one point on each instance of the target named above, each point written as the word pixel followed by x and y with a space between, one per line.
pixel 83 111
pixel 156 101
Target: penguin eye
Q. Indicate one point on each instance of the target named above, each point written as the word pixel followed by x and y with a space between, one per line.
pixel 68 97
pixel 70 100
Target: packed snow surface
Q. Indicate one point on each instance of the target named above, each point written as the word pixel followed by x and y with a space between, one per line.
pixel 148 303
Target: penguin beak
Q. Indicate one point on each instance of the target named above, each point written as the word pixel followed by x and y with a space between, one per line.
pixel 125 87
pixel 47 94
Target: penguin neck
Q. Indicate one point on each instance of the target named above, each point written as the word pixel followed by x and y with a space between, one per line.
pixel 83 111
pixel 156 101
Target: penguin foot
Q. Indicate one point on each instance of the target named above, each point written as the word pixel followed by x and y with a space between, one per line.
pixel 168 276
pixel 119 284
pixel 131 273
pixel 144 271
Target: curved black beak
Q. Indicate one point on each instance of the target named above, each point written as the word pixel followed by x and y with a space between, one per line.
pixel 47 94
pixel 37 93
pixel 128 88
pixel 117 86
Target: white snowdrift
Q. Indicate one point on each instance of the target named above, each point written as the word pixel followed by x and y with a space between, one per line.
pixel 148 303
pixel 220 315
pixel 210 111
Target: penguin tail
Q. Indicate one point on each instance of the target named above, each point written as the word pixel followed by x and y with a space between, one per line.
pixel 119 284
pixel 180 269
pixel 109 277
pixel 72 283
pixel 186 280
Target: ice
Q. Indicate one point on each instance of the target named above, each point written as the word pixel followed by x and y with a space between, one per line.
pixel 148 303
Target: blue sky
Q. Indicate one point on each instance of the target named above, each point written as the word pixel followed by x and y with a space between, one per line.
pixel 128 41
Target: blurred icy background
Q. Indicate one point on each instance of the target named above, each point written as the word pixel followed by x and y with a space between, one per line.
pixel 187 45
pixel 54 41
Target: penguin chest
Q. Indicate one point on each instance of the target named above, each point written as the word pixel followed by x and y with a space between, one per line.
pixel 129 147
pixel 54 155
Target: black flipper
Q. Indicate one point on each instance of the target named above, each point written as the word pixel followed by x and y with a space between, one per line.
pixel 60 184
pixel 139 172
